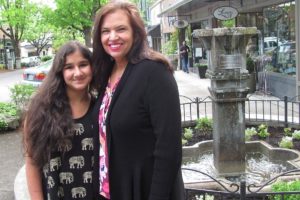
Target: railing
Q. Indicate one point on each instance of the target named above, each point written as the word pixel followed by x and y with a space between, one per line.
pixel 241 191
pixel 284 112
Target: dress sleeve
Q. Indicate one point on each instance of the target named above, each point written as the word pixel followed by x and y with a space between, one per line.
pixel 164 108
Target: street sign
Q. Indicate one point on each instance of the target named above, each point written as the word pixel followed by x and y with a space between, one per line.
pixel 225 13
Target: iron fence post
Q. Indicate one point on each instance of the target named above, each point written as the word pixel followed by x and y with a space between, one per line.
pixel 285 111
pixel 197 105
pixel 243 190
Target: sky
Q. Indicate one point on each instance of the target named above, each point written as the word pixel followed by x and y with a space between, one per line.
pixel 49 3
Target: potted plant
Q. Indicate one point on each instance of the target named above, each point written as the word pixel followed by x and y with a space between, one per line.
pixel 250 66
pixel 202 67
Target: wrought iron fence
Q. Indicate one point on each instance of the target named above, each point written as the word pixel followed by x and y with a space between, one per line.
pixel 285 112
pixel 241 191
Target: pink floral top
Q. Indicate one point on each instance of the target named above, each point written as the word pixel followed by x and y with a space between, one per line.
pixel 103 154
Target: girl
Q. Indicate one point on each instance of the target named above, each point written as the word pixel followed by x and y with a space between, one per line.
pixel 58 134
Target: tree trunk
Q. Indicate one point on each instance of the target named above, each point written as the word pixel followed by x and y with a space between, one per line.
pixel 17 50
pixel 87 31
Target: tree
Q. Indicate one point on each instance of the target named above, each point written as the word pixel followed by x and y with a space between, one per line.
pixel 77 16
pixel 13 20
pixel 39 31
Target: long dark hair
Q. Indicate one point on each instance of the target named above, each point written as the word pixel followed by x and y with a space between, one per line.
pixel 48 120
pixel 139 50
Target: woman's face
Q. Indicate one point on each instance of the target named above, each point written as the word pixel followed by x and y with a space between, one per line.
pixel 117 35
pixel 77 72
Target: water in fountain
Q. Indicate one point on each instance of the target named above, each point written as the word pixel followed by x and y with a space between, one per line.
pixel 259 168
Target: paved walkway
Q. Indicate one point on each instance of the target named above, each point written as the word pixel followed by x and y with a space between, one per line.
pixel 11 156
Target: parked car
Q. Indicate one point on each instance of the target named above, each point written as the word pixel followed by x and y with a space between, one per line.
pixel 36 75
pixel 30 61
pixel 270 43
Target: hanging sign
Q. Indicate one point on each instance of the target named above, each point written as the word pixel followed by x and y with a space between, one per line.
pixel 225 13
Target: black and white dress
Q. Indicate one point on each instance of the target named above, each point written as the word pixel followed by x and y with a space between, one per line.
pixel 68 174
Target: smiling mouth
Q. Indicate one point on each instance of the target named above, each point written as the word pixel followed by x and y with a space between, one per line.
pixel 115 46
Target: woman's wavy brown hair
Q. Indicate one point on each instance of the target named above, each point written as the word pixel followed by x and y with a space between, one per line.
pixel 139 50
pixel 48 120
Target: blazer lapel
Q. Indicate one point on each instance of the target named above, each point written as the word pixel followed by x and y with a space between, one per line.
pixel 116 95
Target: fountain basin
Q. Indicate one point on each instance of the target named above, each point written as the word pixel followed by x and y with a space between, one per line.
pixel 262 163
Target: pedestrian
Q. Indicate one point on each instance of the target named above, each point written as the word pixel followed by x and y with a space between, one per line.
pixel 138 111
pixel 184 56
pixel 58 136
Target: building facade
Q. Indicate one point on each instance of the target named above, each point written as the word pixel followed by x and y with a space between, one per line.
pixel 275 49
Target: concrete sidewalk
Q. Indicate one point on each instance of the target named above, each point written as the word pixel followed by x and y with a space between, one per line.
pixel 12 160
pixel 11 155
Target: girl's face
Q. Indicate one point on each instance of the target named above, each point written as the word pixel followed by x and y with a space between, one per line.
pixel 117 35
pixel 77 72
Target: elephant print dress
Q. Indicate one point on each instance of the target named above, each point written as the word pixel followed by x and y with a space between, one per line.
pixel 68 174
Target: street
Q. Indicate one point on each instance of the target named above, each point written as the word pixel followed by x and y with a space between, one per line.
pixel 7 80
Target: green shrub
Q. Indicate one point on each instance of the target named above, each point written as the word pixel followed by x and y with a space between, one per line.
pixel 286 187
pixel 296 134
pixel 46 58
pixel 183 141
pixel 263 131
pixel 7 110
pixel 21 94
pixel 249 132
pixel 204 124
pixel 286 142
pixel 188 133
pixel 25 65
pixel 287 131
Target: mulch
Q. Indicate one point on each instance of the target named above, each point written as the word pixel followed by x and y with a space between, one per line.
pixel 276 133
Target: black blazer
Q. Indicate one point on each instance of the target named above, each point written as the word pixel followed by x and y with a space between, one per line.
pixel 144 135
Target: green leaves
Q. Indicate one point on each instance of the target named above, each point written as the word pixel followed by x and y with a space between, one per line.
pixel 21 94
pixel 7 111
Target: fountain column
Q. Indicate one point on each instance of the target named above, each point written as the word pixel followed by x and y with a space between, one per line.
pixel 228 74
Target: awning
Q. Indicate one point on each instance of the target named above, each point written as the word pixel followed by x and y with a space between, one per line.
pixel 175 5
pixel 151 28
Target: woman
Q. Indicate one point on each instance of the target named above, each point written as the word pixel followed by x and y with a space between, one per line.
pixel 58 133
pixel 138 111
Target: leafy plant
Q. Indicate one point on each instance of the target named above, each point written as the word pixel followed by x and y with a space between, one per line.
pixel 45 58
pixel 204 124
pixel 249 132
pixel 296 134
pixel 3 124
pixel 170 46
pixel 250 65
pixel 228 23
pixel 287 131
pixel 21 94
pixel 263 131
pixel 188 133
pixel 281 186
pixel 286 142
pixel 7 110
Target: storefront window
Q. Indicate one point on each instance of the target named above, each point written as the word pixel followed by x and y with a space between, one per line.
pixel 279 38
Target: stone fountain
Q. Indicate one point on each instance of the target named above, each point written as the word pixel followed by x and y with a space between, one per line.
pixel 226 48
